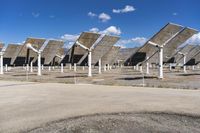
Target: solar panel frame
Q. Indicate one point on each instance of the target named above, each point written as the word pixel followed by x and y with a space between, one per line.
pixel 111 56
pixel 159 38
pixel 12 51
pixel 87 39
pixel 178 40
pixel 37 43
pixel 50 50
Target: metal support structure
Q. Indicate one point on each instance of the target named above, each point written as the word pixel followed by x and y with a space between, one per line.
pixel 160 76
pixel 29 46
pixel 147 66
pixel 89 63
pixel 39 64
pixel 193 67
pixel 104 68
pixel 27 67
pixel 49 68
pixel 42 67
pixel 99 66
pixel 61 68
pixel 108 66
pixel 137 67
pixel 184 62
pixel 74 67
pixel 141 69
pixel 170 67
pixel 1 63
pixel 31 66
pixel 134 67
pixel 70 66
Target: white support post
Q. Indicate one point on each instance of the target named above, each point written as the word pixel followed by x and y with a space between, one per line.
pixel 62 68
pixel 70 66
pixel 6 67
pixel 99 66
pixel 147 66
pixel 193 67
pixel 89 63
pixel 31 66
pixel 184 62
pixel 160 63
pixel 53 67
pixel 134 67
pixel 170 67
pixel 137 67
pixel 42 67
pixel 104 68
pixel 83 68
pixel 27 67
pixel 74 67
pixel 108 67
pixel 49 68
pixel 39 63
pixel 141 69
pixel 121 65
pixel 1 58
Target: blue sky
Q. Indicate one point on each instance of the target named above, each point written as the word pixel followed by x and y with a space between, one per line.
pixel 133 20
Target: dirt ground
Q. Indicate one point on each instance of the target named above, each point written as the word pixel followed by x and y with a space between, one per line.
pixel 124 123
pixel 118 100
pixel 56 107
pixel 125 76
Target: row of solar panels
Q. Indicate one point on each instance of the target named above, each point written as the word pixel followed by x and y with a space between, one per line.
pixel 52 51
pixel 170 37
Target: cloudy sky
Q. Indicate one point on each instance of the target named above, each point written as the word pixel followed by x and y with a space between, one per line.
pixel 133 20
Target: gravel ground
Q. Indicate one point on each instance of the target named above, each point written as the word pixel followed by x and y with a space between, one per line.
pixel 28 105
pixel 125 76
pixel 124 123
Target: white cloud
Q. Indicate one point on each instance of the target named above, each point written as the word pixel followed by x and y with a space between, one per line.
pixel 35 14
pixel 195 39
pixel 104 17
pixel 95 30
pixel 126 9
pixel 91 14
pixel 113 30
pixel 137 41
pixel 69 37
pixel 175 14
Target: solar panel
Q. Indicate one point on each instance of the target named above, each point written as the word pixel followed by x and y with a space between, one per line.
pixel 195 57
pixel 186 51
pixel 50 50
pixel 101 48
pixel 147 50
pixel 29 54
pixel 110 57
pixel 60 53
pixel 87 39
pixel 12 51
pixel 125 54
pixel 173 44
